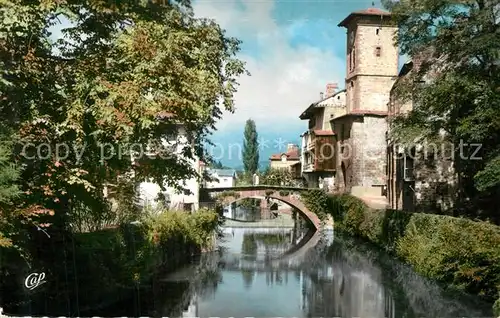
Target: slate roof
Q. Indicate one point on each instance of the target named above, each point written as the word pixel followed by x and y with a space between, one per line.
pixel 290 155
pixel 366 12
pixel 308 112
pixel 323 132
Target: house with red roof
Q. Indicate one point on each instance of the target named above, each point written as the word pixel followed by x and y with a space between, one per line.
pixel 290 159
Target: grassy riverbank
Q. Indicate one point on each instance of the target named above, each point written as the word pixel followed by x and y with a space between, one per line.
pixel 95 269
pixel 462 253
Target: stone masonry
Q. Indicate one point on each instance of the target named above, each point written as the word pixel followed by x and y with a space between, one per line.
pixel 368 138
pixel 432 186
pixel 292 199
pixel 372 66
pixel 362 151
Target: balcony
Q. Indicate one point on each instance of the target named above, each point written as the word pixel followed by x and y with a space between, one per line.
pixel 310 145
pixel 310 142
pixel 308 167
pixel 322 155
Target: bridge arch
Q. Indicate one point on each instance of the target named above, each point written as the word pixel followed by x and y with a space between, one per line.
pixel 289 199
pixel 262 198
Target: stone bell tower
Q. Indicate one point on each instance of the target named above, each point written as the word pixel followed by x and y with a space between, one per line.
pixel 372 67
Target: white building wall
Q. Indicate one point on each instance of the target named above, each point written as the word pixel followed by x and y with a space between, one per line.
pixel 149 191
pixel 303 148
pixel 223 182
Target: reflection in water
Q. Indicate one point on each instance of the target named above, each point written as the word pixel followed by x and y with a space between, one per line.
pixel 244 210
pixel 250 276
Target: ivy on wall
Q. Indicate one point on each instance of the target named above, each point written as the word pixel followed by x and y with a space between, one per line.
pixel 227 194
pixel 318 202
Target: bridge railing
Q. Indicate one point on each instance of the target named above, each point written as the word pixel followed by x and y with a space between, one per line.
pixel 262 186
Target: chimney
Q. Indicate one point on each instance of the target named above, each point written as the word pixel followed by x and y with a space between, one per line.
pixel 331 89
pixel 321 95
pixel 291 147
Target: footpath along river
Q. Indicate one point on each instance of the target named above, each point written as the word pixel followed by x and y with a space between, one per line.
pixel 274 272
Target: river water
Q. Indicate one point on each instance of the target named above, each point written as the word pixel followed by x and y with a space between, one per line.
pixel 279 273
pixel 261 272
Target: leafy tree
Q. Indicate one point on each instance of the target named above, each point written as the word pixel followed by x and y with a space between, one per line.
pixel 9 175
pixel 249 203
pixel 13 215
pixel 127 73
pixel 456 89
pixel 278 177
pixel 244 178
pixel 9 190
pixel 250 150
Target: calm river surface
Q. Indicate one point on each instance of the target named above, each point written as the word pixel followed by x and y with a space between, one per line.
pixel 272 273
pixel 281 273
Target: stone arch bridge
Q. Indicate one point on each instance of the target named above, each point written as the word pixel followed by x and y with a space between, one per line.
pixel 288 195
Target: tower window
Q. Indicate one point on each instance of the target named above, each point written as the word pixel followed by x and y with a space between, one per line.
pixel 378 30
pixel 378 51
pixel 353 58
pixel 351 64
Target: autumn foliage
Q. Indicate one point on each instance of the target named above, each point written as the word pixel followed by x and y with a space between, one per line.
pixel 119 68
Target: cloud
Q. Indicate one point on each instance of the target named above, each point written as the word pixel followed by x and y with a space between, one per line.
pixel 286 75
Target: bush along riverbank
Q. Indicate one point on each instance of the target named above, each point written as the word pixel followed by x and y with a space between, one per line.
pixel 91 270
pixel 462 253
pixel 412 294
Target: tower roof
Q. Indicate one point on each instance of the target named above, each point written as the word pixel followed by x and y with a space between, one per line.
pixel 366 12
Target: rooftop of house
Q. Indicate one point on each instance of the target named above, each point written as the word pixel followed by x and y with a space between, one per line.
pixel 293 154
pixel 231 173
pixel 414 64
pixel 367 12
pixel 317 105
pixel 361 113
pixel 318 132
pixel 406 68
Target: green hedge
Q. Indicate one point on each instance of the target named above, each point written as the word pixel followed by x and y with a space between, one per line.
pixel 460 252
pixel 177 231
pixel 106 264
pixel 227 194
pixel 133 252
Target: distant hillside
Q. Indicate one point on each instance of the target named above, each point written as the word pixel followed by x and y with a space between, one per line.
pixel 263 164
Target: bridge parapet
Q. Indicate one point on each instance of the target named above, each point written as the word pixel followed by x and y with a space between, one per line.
pixel 256 187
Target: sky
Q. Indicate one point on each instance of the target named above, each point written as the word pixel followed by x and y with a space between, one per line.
pixel 292 49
